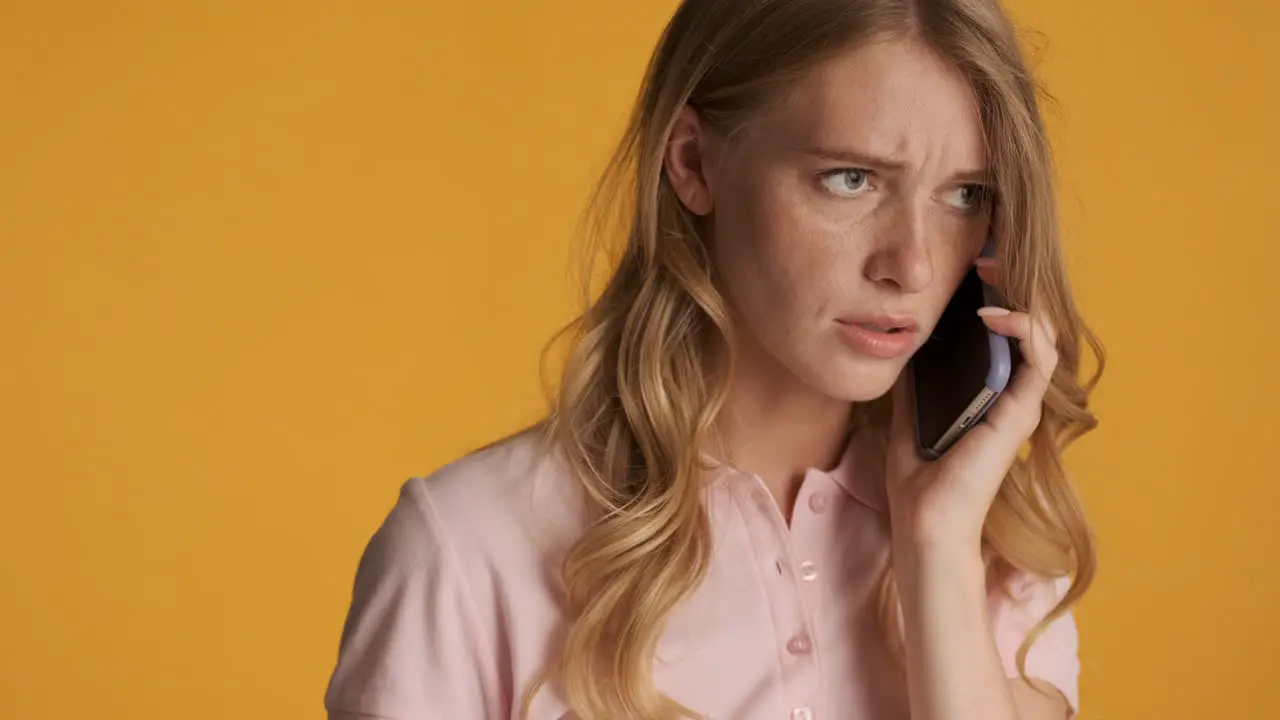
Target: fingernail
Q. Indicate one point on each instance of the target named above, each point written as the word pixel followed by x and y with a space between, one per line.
pixel 985 262
pixel 991 311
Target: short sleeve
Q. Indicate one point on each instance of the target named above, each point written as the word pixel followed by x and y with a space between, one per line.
pixel 1054 655
pixel 409 647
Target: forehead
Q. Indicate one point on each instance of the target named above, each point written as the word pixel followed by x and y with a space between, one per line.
pixel 892 99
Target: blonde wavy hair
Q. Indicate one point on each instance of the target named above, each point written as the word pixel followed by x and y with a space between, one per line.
pixel 647 361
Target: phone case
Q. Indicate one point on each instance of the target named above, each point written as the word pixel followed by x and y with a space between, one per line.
pixel 999 371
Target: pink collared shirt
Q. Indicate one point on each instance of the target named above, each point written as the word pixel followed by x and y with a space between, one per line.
pixel 456 608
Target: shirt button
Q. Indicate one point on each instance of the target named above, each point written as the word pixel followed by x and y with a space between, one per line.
pixel 799 645
pixel 802 713
pixel 818 502
pixel 808 571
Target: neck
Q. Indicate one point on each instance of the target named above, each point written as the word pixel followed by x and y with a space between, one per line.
pixel 775 427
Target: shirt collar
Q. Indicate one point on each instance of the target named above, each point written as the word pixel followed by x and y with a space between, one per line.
pixel 859 472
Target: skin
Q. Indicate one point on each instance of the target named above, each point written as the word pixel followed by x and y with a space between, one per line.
pixel 860 194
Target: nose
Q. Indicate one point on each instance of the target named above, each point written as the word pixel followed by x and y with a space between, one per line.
pixel 901 259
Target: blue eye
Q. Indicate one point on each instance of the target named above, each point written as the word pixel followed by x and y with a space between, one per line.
pixel 847 182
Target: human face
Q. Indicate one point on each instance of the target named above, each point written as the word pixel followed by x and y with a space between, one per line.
pixel 845 216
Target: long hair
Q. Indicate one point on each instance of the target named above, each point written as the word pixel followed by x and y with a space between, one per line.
pixel 647 362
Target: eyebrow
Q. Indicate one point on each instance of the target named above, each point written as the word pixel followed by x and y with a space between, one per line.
pixel 976 175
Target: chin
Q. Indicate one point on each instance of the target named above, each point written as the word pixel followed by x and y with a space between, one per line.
pixel 858 379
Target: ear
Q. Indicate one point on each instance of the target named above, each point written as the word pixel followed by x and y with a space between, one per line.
pixel 688 161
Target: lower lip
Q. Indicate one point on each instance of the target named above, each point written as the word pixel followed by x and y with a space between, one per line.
pixel 876 343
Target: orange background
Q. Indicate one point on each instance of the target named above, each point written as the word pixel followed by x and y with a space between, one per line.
pixel 261 262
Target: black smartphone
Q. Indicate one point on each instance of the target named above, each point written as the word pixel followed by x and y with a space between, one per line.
pixel 960 370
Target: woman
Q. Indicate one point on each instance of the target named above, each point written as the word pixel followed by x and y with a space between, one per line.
pixel 723 515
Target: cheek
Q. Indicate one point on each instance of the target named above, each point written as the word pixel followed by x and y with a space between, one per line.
pixel 772 257
pixel 951 263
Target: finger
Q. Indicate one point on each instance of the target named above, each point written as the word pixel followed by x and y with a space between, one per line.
pixel 1036 339
pixel 1018 409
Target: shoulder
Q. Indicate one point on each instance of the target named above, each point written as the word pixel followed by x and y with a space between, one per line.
pixel 492 519
pixel 500 500
pixel 511 492
pixel 453 586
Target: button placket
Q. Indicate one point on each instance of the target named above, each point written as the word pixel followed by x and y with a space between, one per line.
pixel 810 534
pixel 788 582
pixel 807 533
pixel 818 503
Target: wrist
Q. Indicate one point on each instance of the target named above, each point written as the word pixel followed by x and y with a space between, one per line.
pixel 917 535
pixel 947 560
